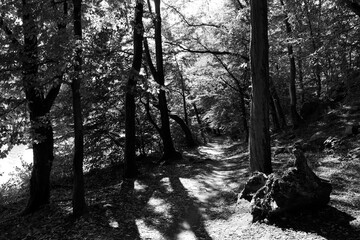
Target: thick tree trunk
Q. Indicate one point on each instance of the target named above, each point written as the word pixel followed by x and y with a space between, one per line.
pixel 39 108
pixel 78 202
pixel 259 140
pixel 130 107
pixel 188 135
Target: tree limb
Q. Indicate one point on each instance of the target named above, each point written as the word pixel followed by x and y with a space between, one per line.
pixel 149 61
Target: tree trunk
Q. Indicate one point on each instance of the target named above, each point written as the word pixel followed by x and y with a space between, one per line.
pixel 130 169
pixel 316 65
pixel 295 118
pixel 200 123
pixel 78 202
pixel 169 150
pixel 39 108
pixel 274 117
pixel 279 111
pixel 186 118
pixel 188 135
pixel 301 79
pixel 259 140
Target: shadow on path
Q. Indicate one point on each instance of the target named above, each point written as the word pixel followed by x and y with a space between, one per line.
pixel 328 222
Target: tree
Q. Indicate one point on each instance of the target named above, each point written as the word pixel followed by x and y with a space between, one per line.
pixel 259 141
pixel 130 107
pixel 295 117
pixel 39 102
pixel 158 74
pixel 78 202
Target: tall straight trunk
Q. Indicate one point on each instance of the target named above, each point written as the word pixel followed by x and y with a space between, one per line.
pixel 243 106
pixel 130 169
pixel 39 108
pixel 169 152
pixel 274 116
pixel 198 119
pixel 301 79
pixel 316 68
pixel 279 110
pixel 295 117
pixel 186 118
pixel 259 140
pixel 78 201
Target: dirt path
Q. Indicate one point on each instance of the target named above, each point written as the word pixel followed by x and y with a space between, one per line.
pixel 197 200
pixel 193 199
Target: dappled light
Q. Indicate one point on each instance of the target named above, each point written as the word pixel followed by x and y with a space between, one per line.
pixel 180 120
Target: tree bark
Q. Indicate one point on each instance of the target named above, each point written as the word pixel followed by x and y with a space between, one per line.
pixel 295 117
pixel 39 108
pixel 130 169
pixel 169 152
pixel 259 140
pixel 78 202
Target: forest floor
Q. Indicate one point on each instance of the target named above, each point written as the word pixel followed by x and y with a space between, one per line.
pixel 196 198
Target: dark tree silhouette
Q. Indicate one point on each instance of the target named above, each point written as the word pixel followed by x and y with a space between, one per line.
pixel 259 141
pixel 78 202
pixel 130 107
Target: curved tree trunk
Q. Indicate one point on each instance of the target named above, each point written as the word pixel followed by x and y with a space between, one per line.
pixel 130 107
pixel 259 140
pixel 188 135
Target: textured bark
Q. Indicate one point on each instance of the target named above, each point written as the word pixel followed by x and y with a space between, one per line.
pixel 130 169
pixel 39 107
pixel 78 202
pixel 259 140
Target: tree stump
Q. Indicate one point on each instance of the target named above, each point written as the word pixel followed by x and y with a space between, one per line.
pixel 297 188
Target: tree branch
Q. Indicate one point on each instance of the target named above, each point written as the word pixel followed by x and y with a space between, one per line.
pixel 207 51
pixel 149 61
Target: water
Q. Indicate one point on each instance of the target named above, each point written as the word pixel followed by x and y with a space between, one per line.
pixel 8 165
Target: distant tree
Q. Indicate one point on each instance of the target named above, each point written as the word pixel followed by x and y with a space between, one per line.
pixel 78 202
pixel 295 117
pixel 259 142
pixel 130 107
